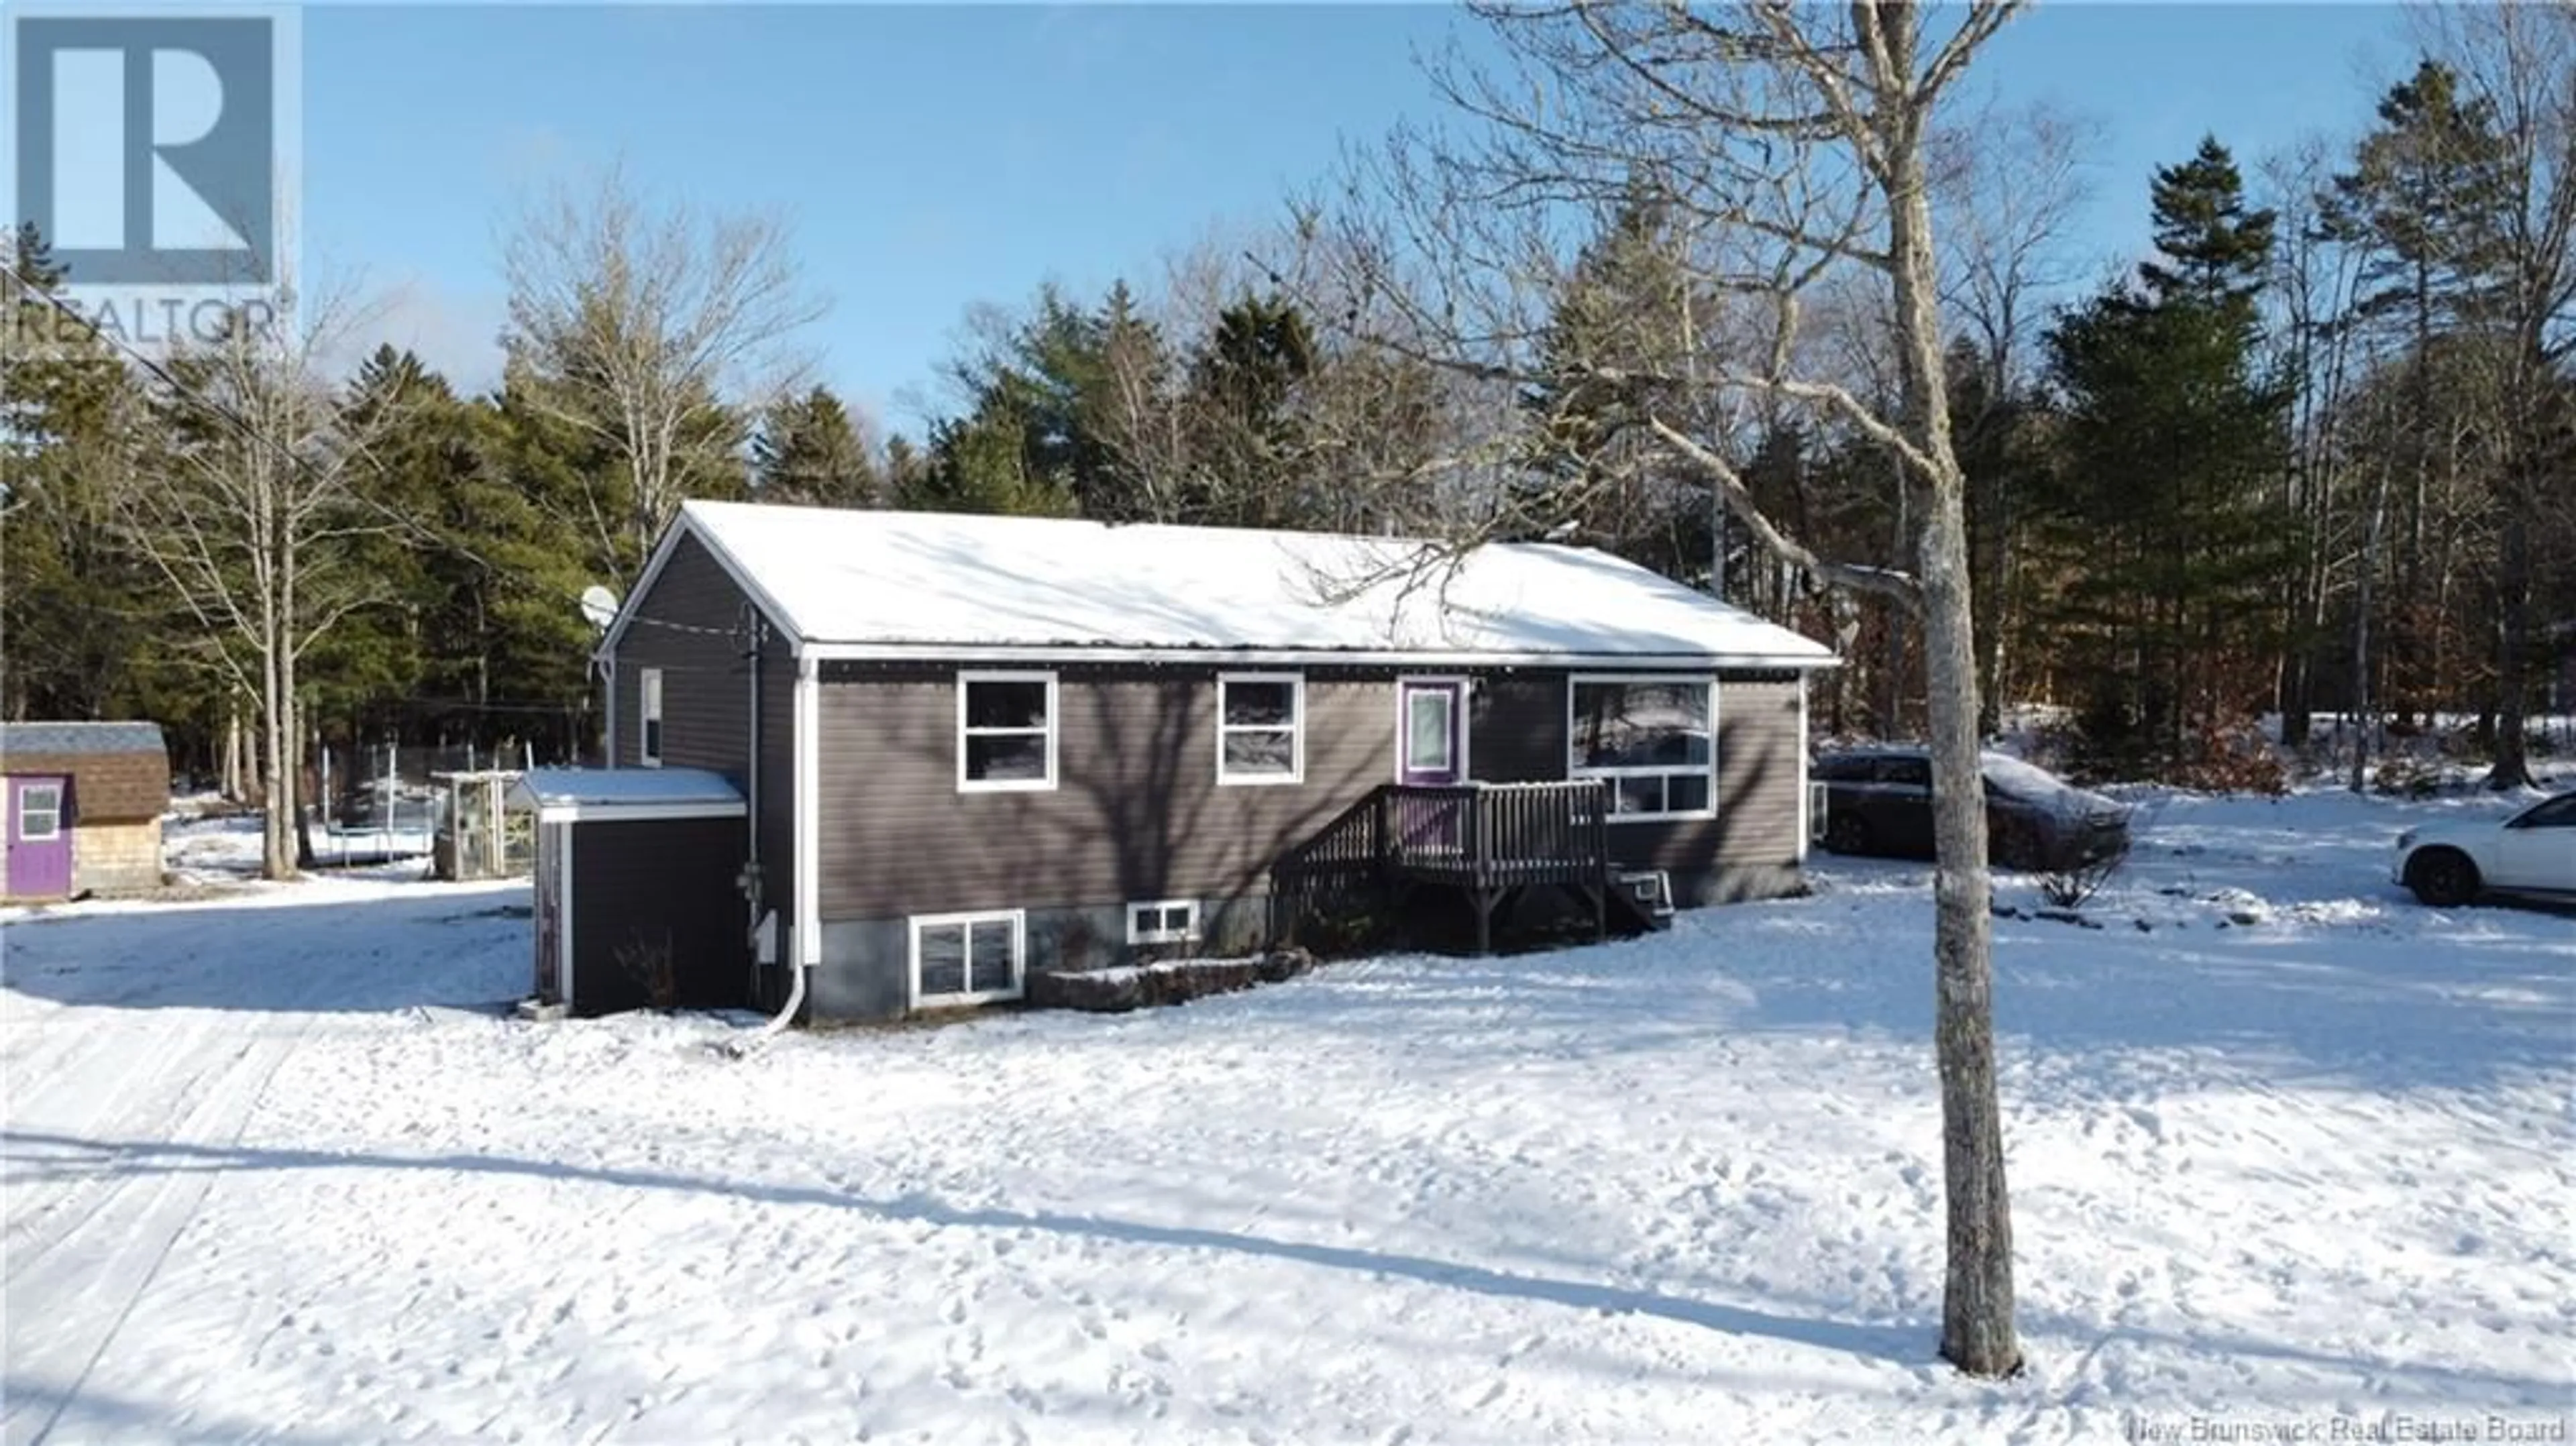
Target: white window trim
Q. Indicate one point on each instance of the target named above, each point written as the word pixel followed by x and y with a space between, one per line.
pixel 648 716
pixel 54 813
pixel 1465 702
pixel 1018 919
pixel 1187 934
pixel 1054 727
pixel 1296 727
pixel 1576 680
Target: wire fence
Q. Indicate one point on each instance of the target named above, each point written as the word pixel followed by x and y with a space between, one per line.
pixel 386 802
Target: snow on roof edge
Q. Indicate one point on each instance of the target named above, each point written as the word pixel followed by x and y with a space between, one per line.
pixel 1002 584
pixel 624 787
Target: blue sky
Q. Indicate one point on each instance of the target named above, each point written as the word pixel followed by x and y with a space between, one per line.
pixel 931 157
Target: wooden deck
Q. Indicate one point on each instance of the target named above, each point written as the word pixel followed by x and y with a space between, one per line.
pixel 1488 840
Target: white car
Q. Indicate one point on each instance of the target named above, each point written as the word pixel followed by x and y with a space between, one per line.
pixel 2533 852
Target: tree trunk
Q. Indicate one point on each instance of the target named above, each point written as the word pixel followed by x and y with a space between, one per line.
pixel 231 784
pixel 2512 769
pixel 1977 1333
pixel 2364 708
pixel 277 795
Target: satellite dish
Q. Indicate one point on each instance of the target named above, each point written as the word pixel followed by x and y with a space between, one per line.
pixel 599 605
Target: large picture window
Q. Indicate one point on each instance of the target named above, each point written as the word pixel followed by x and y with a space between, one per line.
pixel 1653 739
pixel 968 958
pixel 1005 731
pixel 1261 728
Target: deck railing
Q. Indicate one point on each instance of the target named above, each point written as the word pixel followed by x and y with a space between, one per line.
pixel 1500 835
pixel 1482 837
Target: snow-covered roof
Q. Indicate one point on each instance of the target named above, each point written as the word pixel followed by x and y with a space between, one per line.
pixel 613 790
pixel 932 580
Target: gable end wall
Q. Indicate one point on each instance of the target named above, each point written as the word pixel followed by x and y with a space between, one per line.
pixel 688 625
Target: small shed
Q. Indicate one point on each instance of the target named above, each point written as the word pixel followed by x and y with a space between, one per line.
pixel 84 805
pixel 638 899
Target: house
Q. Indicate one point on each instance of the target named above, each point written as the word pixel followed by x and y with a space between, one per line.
pixel 969 748
pixel 84 807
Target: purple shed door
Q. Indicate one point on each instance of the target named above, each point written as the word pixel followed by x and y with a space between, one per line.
pixel 40 837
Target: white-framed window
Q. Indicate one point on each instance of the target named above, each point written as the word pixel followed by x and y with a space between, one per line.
pixel 1005 731
pixel 1260 728
pixel 1164 921
pixel 969 958
pixel 649 717
pixel 40 813
pixel 1654 739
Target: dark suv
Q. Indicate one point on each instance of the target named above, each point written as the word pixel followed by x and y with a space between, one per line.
pixel 1878 800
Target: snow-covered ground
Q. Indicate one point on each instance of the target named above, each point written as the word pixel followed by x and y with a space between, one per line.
pixel 278 1168
pixel 215 849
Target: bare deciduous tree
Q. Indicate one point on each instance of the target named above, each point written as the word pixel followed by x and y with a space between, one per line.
pixel 247 515
pixel 642 322
pixel 2519 59
pixel 1786 152
pixel 2007 185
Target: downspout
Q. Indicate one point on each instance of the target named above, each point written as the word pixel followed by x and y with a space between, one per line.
pixel 786 1015
pixel 606 665
pixel 756 633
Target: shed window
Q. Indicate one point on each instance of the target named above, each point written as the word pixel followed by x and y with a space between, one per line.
pixel 1651 738
pixel 40 812
pixel 650 749
pixel 1170 921
pixel 1005 731
pixel 968 958
pixel 1261 728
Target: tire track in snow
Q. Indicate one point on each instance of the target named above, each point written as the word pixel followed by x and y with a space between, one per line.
pixel 49 1100
pixel 66 1306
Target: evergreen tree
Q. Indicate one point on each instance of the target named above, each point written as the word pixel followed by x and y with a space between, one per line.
pixel 2427 196
pixel 1143 460
pixel 77 611
pixel 1249 447
pixel 1025 442
pixel 2425 206
pixel 807 450
pixel 2172 436
pixel 1615 347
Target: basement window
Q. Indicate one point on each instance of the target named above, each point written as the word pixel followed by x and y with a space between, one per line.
pixel 1005 731
pixel 1167 921
pixel 968 958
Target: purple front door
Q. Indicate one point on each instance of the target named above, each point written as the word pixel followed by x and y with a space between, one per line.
pixel 40 837
pixel 1431 744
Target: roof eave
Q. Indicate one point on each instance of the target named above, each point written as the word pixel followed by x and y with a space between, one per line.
pixel 941 652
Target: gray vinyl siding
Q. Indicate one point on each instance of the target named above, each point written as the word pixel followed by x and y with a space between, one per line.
pixel 1137 814
pixel 1750 849
pixel 688 624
